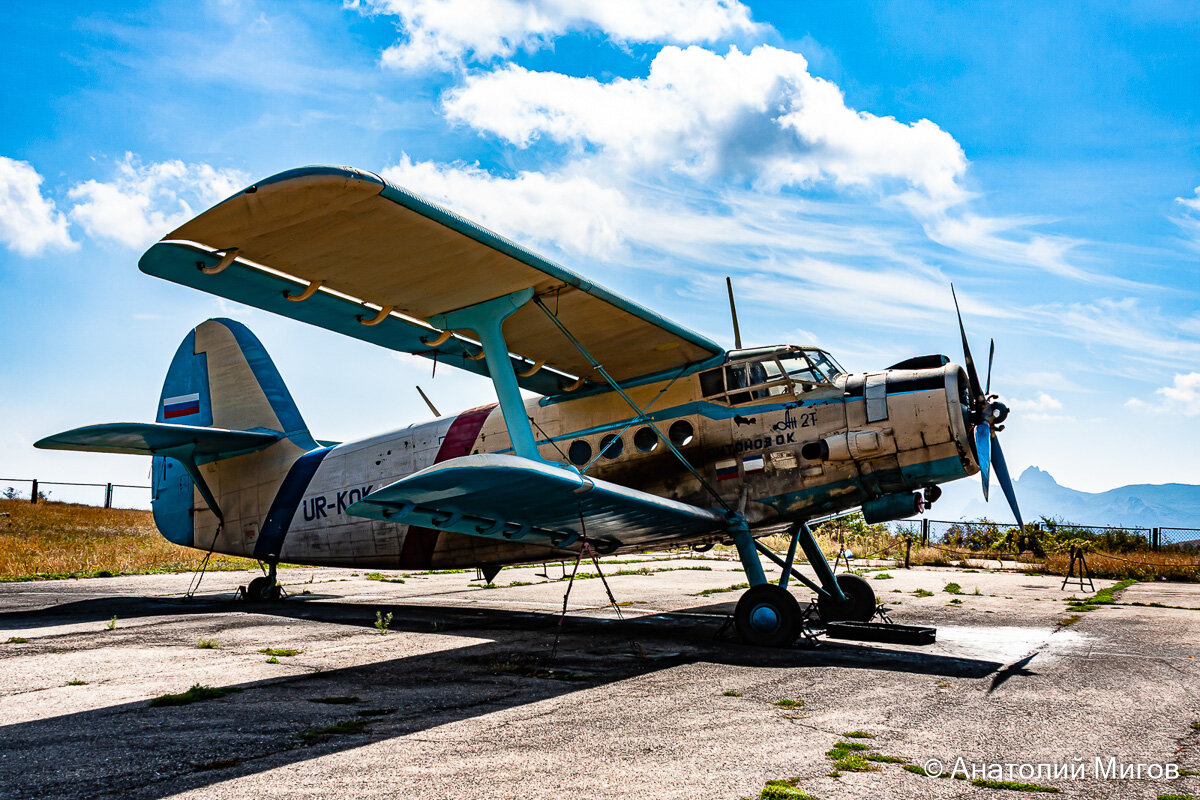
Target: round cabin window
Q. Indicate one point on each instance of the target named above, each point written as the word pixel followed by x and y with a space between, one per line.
pixel 611 446
pixel 681 433
pixel 645 440
pixel 580 452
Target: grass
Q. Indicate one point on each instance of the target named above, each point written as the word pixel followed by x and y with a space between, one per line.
pixel 336 700
pixel 1014 786
pixel 382 621
pixel 956 602
pixel 789 703
pixel 272 660
pixel 192 695
pixel 783 789
pixel 848 757
pixel 916 769
pixel 54 541
pixel 1175 797
pixel 882 576
pixel 1071 620
pixel 379 576
pixel 343 727
pixel 733 588
pixel 77 682
pixel 882 759
pixel 1104 597
pixel 857 735
pixel 112 623
pixel 1194 726
pixel 280 651
pixel 16 640
pixel 208 644
pixel 923 593
pixel 952 588
pixel 732 693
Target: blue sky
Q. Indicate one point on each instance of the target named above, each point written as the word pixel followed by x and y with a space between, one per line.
pixel 843 162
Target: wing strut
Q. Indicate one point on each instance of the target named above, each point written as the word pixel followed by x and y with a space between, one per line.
pixel 486 319
pixel 642 416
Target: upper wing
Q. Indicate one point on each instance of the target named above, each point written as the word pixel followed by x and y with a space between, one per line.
pixel 373 247
pixel 507 497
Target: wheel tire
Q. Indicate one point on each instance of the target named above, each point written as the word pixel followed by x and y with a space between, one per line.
pixel 262 590
pixel 767 616
pixel 859 605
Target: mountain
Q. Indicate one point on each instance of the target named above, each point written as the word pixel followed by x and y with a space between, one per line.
pixel 1174 505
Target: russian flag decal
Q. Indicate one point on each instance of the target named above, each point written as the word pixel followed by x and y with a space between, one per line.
pixel 726 470
pixel 182 406
pixel 753 464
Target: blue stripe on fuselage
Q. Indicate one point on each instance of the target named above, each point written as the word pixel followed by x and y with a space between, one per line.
pixel 283 507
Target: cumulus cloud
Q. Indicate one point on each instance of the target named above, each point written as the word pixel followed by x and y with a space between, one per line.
pixel 29 222
pixel 1183 396
pixel 443 33
pixel 144 201
pixel 1042 408
pixel 758 116
pixel 1192 203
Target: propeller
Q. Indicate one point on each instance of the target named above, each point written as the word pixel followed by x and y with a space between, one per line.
pixel 987 415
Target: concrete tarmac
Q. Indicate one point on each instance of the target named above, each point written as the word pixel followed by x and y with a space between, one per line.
pixel 465 694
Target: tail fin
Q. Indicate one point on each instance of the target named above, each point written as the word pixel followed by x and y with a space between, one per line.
pixel 221 377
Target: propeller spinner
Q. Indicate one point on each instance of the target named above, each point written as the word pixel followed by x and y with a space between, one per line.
pixel 987 415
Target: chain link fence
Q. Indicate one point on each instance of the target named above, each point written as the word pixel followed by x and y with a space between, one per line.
pixel 108 495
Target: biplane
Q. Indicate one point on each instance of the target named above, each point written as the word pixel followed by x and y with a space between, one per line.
pixel 639 434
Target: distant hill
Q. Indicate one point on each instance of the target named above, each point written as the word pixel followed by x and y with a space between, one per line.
pixel 1137 505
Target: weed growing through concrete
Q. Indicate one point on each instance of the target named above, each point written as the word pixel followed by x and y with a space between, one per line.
pixel 272 660
pixel 382 621
pixel 882 576
pixel 783 789
pixel 1104 597
pixel 956 602
pixel 732 693
pixel 881 758
pixel 280 651
pixel 847 757
pixel 1014 786
pixel 733 588
pixel 192 695
pixel 112 623
pixel 1071 620
pixel 76 683
pixel 379 576
pixel 343 727
pixel 923 593
pixel 438 625
pixel 208 644
pixel 789 703
pixel 857 735
pixel 16 640
pixel 952 588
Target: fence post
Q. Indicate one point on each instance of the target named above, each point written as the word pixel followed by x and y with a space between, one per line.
pixel 33 493
pixel 925 532
pixel 1155 538
pixel 907 550
pixel 108 496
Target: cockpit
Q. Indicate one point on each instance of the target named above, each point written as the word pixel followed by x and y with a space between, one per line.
pixel 766 372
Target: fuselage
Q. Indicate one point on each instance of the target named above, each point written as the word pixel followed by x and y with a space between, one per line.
pixel 776 448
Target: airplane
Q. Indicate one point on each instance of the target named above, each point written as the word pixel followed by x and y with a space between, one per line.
pixel 641 433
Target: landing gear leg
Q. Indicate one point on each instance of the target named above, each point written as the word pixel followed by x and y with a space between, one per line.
pixel 839 597
pixel 766 615
pixel 266 588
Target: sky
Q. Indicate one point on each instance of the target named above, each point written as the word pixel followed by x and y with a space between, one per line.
pixel 842 162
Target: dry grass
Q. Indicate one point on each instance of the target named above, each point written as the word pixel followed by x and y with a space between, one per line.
pixel 65 540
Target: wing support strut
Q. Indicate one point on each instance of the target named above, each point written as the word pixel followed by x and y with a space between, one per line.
pixel 486 319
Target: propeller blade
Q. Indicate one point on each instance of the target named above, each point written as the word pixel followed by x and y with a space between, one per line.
pixel 983 451
pixel 991 354
pixel 1006 482
pixel 972 375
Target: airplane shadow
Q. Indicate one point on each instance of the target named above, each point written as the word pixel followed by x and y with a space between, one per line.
pixel 134 751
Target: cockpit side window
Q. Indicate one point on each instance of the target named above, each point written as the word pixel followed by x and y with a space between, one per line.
pixel 745 382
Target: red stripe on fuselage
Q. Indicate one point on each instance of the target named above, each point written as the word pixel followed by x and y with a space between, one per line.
pixel 419 543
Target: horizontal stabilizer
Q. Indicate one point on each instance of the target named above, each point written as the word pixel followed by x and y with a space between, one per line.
pixel 160 439
pixel 509 498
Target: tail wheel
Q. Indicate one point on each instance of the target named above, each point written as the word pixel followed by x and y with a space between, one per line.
pixel 263 590
pixel 859 605
pixel 767 616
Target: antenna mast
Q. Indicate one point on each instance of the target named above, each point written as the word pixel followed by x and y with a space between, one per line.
pixel 737 334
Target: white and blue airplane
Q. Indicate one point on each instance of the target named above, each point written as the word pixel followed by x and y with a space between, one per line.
pixel 643 434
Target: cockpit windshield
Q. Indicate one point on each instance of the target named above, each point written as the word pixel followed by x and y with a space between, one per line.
pixel 769 373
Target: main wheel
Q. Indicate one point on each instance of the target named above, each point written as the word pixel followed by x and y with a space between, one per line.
pixel 859 605
pixel 262 590
pixel 767 616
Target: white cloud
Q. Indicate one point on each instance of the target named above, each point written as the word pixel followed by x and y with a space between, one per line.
pixel 1042 408
pixel 443 33
pixel 1191 202
pixel 29 222
pixel 145 201
pixel 759 116
pixel 1183 396
pixel 1145 334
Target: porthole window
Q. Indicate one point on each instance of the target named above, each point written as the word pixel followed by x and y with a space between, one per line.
pixel 681 433
pixel 580 452
pixel 611 446
pixel 645 440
